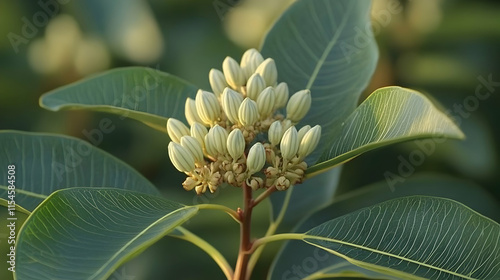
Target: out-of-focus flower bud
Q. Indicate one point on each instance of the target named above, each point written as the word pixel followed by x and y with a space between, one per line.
pixel 250 60
pixel 233 73
pixel 181 158
pixel 248 113
pixel 190 111
pixel 298 105
pixel 207 106
pixel 231 101
pixel 267 69
pixel 217 81
pixel 176 129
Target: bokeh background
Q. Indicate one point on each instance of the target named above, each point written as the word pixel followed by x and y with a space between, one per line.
pixel 444 48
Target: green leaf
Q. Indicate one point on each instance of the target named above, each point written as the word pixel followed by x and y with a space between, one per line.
pixel 144 94
pixel 47 162
pixel 415 237
pixel 303 257
pixel 86 233
pixel 300 201
pixel 325 46
pixel 389 115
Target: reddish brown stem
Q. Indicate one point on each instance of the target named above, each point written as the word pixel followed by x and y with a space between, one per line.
pixel 245 243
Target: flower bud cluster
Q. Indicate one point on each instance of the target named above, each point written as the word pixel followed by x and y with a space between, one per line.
pixel 220 147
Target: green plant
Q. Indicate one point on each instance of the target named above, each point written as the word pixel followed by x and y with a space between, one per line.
pixel 89 212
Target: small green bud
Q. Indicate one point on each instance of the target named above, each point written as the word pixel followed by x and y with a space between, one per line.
pixel 190 111
pixel 231 101
pixel 289 143
pixel 248 113
pixel 281 91
pixel 265 102
pixel 298 105
pixel 233 73
pixel 176 129
pixel 207 106
pixel 255 86
pixel 250 60
pixel 303 131
pixel 309 142
pixel 236 144
pixel 194 147
pixel 256 158
pixel 267 69
pixel 198 131
pixel 275 133
pixel 217 137
pixel 217 81
pixel 181 158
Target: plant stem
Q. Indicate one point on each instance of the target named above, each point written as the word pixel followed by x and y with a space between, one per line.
pixel 226 209
pixel 263 195
pixel 245 243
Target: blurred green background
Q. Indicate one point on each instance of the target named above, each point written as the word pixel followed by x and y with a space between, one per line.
pixel 444 48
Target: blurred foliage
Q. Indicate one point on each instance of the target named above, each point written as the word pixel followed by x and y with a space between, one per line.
pixel 439 47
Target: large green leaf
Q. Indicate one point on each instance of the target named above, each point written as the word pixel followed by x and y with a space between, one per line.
pixel 389 115
pixel 303 257
pixel 326 46
pixel 144 94
pixel 46 162
pixel 415 237
pixel 86 233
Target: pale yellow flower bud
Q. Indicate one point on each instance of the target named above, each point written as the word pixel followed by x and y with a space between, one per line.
pixel 217 137
pixel 255 86
pixel 250 60
pixel 298 105
pixel 309 142
pixel 265 102
pixel 267 69
pixel 207 106
pixel 248 113
pixel 198 131
pixel 176 129
pixel 233 73
pixel 281 91
pixel 275 133
pixel 231 101
pixel 236 144
pixel 190 111
pixel 217 81
pixel 289 143
pixel 256 158
pixel 303 131
pixel 181 158
pixel 210 146
pixel 194 147
pixel 286 124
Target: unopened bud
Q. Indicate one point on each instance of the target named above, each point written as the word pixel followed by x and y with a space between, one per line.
pixel 231 101
pixel 176 129
pixel 267 69
pixel 255 86
pixel 248 113
pixel 233 73
pixel 250 60
pixel 302 131
pixel 198 131
pixel 282 183
pixel 289 143
pixel 298 105
pixel 236 144
pixel 275 133
pixel 180 157
pixel 217 81
pixel 190 111
pixel 194 147
pixel 281 91
pixel 265 102
pixel 286 124
pixel 210 146
pixel 256 158
pixel 217 136
pixel 207 106
pixel 309 141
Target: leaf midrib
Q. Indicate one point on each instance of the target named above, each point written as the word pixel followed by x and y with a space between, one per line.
pixel 306 236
